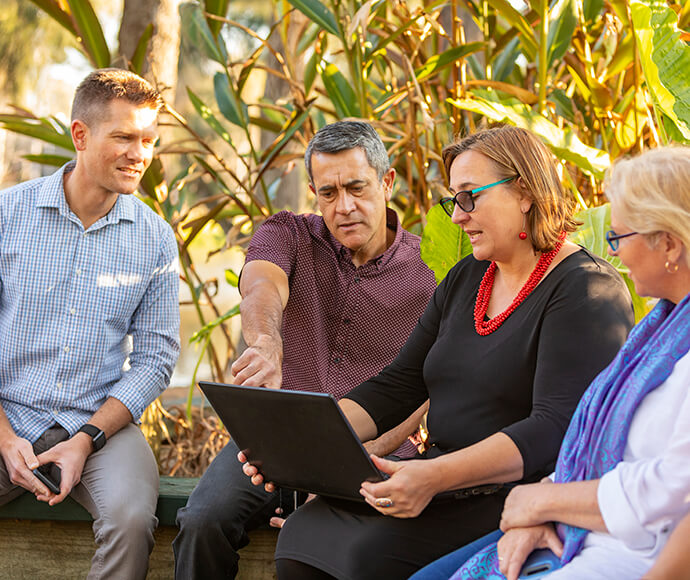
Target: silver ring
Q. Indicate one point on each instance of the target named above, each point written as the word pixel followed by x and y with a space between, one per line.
pixel 383 502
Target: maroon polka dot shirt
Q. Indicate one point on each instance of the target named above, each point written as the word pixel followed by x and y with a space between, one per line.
pixel 342 324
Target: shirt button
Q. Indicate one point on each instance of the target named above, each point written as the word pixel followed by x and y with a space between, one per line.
pixel 357 279
pixel 72 310
pixel 346 321
pixel 66 349
pixel 56 412
pixel 337 360
pixel 77 271
pixel 59 385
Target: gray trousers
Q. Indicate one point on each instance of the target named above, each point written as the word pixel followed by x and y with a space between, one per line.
pixel 119 488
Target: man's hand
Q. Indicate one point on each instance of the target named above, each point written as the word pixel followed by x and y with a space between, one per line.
pixel 253 473
pixel 260 365
pixel 518 543
pixel 70 457
pixel 19 458
pixel 410 487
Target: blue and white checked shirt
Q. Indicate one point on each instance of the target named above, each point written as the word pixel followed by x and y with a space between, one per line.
pixel 69 298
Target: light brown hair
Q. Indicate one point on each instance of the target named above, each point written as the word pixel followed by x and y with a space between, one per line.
pixel 106 84
pixel 518 153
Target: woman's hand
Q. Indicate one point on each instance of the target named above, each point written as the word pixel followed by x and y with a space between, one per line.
pixel 410 487
pixel 522 506
pixel 518 543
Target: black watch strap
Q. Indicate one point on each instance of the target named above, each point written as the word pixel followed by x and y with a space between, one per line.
pixel 97 436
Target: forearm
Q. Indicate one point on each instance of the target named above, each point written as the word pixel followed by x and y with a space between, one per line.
pixel 496 459
pixel 265 292
pixel 111 417
pixel 573 503
pixel 391 440
pixel 359 419
pixel 6 430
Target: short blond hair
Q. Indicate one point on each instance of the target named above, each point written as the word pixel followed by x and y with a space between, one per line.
pixel 106 84
pixel 517 153
pixel 651 193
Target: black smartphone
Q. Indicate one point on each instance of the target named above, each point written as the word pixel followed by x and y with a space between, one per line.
pixel 50 475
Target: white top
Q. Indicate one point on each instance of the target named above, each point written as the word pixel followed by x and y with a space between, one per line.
pixel 645 496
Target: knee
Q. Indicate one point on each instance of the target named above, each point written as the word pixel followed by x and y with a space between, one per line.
pixel 131 525
pixel 196 516
pixel 135 519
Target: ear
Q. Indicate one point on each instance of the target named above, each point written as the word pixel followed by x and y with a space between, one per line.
pixel 672 247
pixel 523 193
pixel 388 181
pixel 80 132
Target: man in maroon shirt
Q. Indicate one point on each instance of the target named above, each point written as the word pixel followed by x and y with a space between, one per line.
pixel 327 302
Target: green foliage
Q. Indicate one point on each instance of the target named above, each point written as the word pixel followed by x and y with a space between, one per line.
pixel 20 24
pixel 596 221
pixel 665 60
pixel 595 80
pixel 443 243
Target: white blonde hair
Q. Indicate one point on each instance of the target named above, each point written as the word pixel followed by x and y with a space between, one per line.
pixel 651 193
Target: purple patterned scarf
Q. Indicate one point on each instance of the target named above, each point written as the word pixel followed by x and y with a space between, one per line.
pixel 598 431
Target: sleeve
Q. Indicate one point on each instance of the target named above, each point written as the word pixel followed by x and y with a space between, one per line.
pixel 275 241
pixel 584 325
pixel 642 500
pixel 399 389
pixel 155 331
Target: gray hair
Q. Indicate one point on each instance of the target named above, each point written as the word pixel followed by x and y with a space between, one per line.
pixel 346 135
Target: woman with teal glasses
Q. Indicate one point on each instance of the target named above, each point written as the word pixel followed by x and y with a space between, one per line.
pixel 503 351
pixel 622 480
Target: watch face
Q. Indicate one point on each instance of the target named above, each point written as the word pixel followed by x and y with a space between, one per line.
pixel 99 440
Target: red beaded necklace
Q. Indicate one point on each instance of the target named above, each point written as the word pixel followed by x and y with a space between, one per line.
pixel 485 327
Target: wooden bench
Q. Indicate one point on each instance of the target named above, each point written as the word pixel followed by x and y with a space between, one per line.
pixel 39 541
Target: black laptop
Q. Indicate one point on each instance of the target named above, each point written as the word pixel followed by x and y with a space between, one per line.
pixel 298 440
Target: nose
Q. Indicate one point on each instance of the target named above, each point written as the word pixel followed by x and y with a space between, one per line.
pixel 137 151
pixel 345 203
pixel 460 216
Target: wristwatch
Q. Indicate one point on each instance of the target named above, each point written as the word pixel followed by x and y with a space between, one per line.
pixel 97 436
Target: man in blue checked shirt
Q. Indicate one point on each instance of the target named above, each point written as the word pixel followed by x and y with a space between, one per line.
pixel 84 265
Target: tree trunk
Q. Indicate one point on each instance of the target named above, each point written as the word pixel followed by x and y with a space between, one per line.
pixel 163 52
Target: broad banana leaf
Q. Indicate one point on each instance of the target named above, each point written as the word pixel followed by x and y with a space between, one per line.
pixel 443 243
pixel 563 142
pixel 665 60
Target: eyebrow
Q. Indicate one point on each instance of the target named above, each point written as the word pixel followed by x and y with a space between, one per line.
pixel 464 186
pixel 352 183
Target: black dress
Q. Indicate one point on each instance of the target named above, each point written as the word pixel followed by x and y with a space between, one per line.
pixel 524 380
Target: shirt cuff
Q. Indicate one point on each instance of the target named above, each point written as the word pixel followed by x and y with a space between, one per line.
pixel 619 516
pixel 136 392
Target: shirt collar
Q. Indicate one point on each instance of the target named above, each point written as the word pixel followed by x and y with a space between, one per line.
pixel 392 223
pixel 52 194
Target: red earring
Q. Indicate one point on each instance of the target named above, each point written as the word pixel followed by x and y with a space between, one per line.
pixel 523 234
